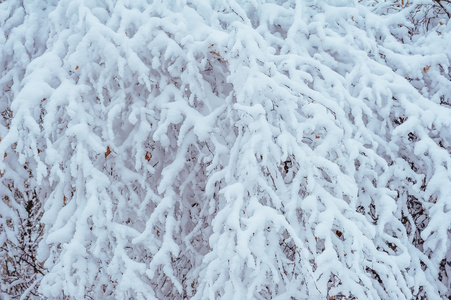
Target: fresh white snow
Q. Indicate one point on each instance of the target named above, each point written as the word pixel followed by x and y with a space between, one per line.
pixel 225 149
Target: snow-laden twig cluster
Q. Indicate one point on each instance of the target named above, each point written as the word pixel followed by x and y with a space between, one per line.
pixel 226 149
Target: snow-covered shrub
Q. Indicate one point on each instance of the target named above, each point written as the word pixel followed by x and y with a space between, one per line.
pixel 226 149
pixel 23 35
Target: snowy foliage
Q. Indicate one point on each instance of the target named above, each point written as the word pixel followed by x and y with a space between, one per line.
pixel 225 149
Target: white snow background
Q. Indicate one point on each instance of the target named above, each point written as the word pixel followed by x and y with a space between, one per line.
pixel 225 149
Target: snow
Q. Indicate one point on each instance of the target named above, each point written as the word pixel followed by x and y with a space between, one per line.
pixel 225 149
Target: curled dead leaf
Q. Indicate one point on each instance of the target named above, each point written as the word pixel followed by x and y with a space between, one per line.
pixel 148 156
pixel 108 151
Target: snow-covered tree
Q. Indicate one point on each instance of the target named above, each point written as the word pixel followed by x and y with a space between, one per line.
pixel 225 149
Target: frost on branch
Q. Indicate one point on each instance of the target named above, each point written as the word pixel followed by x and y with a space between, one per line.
pixel 228 150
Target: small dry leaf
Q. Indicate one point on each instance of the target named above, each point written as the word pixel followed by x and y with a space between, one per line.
pixel 215 53
pixel 43 99
pixel 108 151
pixel 5 155
pixel 317 137
pixel 64 200
pixel 441 23
pixel 338 233
pixel 426 69
pixel 76 68
pixel 352 18
pixel 148 156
